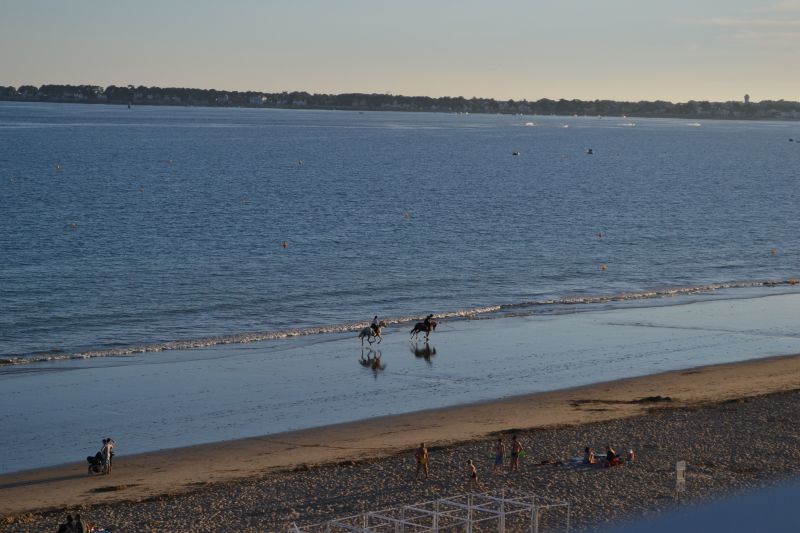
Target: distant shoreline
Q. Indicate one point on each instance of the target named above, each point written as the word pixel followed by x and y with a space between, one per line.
pixel 183 97
pixel 368 110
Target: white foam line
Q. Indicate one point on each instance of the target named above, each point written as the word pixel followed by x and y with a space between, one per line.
pixel 356 326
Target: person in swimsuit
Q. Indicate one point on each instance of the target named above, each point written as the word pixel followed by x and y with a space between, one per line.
pixel 499 454
pixel 421 455
pixel 473 477
pixel 516 450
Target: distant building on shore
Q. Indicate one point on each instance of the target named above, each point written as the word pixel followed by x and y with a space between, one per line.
pixel 747 99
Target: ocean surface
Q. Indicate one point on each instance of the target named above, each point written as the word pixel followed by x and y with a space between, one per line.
pixel 159 227
pixel 174 276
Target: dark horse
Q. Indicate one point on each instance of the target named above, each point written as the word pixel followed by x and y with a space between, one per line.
pixel 420 327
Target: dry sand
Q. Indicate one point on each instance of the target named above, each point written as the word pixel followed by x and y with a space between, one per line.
pixel 264 483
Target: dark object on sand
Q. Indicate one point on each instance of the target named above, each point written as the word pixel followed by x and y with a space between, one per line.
pixel 95 463
pixel 653 399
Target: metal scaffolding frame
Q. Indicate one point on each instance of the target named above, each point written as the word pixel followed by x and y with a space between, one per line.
pixel 503 511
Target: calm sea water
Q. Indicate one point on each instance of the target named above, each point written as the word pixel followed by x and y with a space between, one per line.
pixel 164 227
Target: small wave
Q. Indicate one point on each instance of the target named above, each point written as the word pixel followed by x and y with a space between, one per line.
pixel 511 308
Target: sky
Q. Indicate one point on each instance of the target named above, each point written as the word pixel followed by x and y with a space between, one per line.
pixel 505 49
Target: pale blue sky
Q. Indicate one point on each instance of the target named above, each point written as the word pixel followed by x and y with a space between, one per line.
pixel 616 49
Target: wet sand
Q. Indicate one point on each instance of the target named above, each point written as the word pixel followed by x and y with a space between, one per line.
pixel 306 476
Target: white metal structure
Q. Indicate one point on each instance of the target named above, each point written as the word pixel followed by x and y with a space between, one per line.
pixel 680 477
pixel 496 512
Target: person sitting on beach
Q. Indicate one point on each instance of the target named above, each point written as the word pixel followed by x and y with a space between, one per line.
pixel 499 454
pixel 516 451
pixel 589 457
pixel 612 458
pixel 421 455
pixel 374 324
pixel 473 477
pixel 80 525
pixel 631 456
pixel 68 526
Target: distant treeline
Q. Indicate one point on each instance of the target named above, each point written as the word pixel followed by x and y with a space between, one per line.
pixel 131 95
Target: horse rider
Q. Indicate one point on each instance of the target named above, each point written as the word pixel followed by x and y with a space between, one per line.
pixel 375 327
pixel 427 322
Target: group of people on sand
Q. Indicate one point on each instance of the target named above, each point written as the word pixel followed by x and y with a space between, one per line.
pixel 422 460
pixel 74 525
pixel 611 458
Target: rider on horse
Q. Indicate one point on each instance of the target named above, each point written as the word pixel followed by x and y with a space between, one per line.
pixel 375 325
pixel 427 322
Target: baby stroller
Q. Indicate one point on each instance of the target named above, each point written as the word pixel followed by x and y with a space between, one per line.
pixel 95 463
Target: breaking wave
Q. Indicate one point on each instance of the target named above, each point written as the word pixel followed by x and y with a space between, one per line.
pixel 525 307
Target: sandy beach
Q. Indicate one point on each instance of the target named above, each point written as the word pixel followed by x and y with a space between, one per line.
pixel 736 425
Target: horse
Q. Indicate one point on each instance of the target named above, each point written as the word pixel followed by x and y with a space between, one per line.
pixel 420 327
pixel 371 334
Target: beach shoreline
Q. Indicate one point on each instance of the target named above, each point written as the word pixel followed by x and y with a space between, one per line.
pixel 178 471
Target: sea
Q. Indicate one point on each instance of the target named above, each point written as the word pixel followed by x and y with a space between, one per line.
pixel 154 236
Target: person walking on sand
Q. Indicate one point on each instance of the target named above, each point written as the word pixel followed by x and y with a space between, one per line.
pixel 499 454
pixel 516 451
pixel 473 483
pixel 421 455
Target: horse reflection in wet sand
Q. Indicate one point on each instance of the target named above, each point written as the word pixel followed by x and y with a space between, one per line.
pixel 427 352
pixel 372 361
pixel 372 334
pixel 420 327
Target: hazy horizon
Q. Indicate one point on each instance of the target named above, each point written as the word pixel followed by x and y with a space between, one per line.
pixel 715 50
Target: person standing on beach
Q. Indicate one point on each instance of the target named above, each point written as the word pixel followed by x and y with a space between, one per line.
pixel 421 455
pixel 105 452
pixel 473 483
pixel 516 451
pixel 499 454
